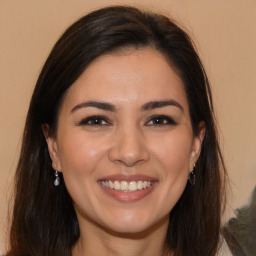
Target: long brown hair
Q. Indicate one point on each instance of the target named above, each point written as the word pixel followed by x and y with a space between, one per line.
pixel 44 221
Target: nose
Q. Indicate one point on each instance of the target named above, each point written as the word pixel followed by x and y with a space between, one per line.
pixel 129 147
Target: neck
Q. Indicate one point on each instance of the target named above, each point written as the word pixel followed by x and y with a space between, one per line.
pixel 101 242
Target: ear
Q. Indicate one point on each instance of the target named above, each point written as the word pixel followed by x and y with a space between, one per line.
pixel 197 144
pixel 52 147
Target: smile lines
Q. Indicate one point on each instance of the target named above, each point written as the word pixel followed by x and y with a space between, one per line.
pixel 126 186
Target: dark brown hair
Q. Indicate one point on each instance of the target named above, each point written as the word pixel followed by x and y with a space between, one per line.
pixel 44 221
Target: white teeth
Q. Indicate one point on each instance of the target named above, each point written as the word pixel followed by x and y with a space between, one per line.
pixel 133 186
pixel 117 185
pixel 111 184
pixel 124 185
pixel 140 185
pixel 127 186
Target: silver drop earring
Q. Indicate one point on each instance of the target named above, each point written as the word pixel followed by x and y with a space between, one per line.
pixel 57 178
pixel 192 176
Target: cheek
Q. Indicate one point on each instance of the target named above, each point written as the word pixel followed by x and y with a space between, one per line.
pixel 79 155
pixel 173 154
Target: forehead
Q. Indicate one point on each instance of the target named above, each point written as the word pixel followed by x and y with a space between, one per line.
pixel 133 75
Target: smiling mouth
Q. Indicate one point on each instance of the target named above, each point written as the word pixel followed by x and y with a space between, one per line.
pixel 126 186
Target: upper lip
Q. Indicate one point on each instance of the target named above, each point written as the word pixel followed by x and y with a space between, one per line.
pixel 128 178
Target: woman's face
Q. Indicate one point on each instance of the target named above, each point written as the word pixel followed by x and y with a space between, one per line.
pixel 124 141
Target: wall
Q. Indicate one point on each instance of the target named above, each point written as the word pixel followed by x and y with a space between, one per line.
pixel 224 32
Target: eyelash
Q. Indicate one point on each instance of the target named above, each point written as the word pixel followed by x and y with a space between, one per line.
pixel 157 120
pixel 94 121
pixel 161 120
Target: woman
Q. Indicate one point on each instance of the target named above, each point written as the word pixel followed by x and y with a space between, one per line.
pixel 120 154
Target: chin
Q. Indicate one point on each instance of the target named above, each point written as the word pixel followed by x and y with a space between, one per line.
pixel 130 225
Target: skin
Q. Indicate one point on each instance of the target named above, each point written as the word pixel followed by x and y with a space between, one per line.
pixel 129 140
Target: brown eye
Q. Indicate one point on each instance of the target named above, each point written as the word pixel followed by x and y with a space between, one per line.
pixel 94 121
pixel 161 120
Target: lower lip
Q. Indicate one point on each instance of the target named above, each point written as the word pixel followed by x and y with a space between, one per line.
pixel 128 196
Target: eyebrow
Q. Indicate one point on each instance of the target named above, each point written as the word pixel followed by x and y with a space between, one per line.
pixel 110 107
pixel 160 104
pixel 95 104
